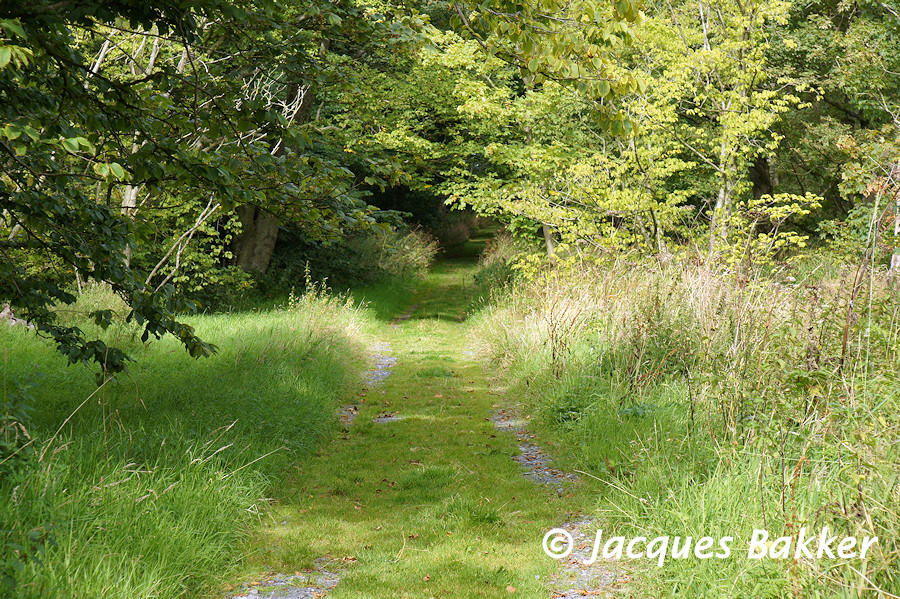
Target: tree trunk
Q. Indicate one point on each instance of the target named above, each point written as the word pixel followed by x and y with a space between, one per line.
pixel 718 230
pixel 643 229
pixel 657 234
pixel 254 245
pixel 129 206
pixel 760 176
pixel 894 179
pixel 719 221
pixel 549 241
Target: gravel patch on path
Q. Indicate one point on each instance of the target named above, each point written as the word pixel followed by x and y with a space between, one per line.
pixel 603 578
pixel 382 364
pixel 387 417
pixel 322 578
pixel 533 459
pixel 575 578
pixel 300 585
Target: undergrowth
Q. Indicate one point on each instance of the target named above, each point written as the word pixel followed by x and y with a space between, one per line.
pixel 716 404
pixel 496 266
pixel 146 486
pixel 382 257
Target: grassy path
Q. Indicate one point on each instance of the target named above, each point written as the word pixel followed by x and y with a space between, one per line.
pixel 431 504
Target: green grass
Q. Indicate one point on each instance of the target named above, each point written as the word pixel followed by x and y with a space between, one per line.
pixel 700 408
pixel 155 478
pixel 430 505
pixel 151 488
pixel 387 299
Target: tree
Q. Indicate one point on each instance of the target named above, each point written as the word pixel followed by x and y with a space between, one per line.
pixel 531 56
pixel 213 116
pixel 714 93
pixel 57 184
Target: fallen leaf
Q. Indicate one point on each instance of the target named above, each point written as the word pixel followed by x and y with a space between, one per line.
pixel 426 578
pixel 510 589
pixel 438 395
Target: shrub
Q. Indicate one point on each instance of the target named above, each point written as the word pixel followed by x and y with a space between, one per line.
pixel 405 256
pixel 379 256
pixel 496 264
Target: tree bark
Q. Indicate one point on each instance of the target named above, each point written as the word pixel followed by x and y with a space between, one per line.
pixel 549 242
pixel 253 246
pixel 894 179
pixel 761 177
pixel 657 234
pixel 721 215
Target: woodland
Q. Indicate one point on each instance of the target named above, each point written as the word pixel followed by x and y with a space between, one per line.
pixel 668 231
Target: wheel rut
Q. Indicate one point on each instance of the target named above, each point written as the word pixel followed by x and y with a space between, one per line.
pixel 578 576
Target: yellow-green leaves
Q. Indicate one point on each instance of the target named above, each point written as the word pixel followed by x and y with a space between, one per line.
pixel 12 54
pixel 12 131
pixel 77 144
pixel 603 88
pixel 757 230
pixel 572 43
pixel 110 170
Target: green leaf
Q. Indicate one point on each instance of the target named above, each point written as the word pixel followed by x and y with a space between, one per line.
pixel 528 46
pixel 87 145
pixel 71 144
pixel 5 56
pixel 12 27
pixel 117 170
pixel 12 131
pixel 603 88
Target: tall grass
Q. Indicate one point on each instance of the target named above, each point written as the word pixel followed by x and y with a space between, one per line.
pixel 496 265
pixel 146 486
pixel 717 404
